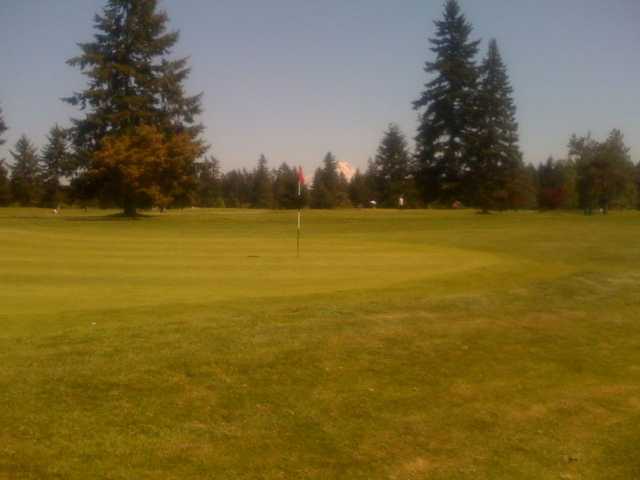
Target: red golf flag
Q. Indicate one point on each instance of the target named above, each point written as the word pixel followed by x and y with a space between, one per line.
pixel 300 176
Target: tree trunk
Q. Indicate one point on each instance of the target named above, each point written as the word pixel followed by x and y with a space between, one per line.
pixel 129 208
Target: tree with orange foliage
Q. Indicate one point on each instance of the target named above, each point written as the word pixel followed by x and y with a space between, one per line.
pixel 148 166
pixel 139 138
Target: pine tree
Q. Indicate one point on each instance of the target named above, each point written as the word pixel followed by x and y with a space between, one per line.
pixel 262 185
pixel 637 182
pixel 496 158
pixel 320 197
pixel 209 180
pixel 237 188
pixel 5 189
pixel 285 188
pixel 3 128
pixel 392 168
pixel 133 85
pixel 446 108
pixel 54 159
pixel 361 190
pixel 5 186
pixel 231 189
pixel 329 189
pixel 25 173
pixel 330 175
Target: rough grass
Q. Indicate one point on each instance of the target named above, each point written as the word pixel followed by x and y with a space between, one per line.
pixel 401 345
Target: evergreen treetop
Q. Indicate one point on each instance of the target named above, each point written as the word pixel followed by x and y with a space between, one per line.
pixel 54 163
pixel 285 188
pixel 135 94
pixel 496 157
pixel 25 172
pixel 447 108
pixel 55 154
pixel 131 79
pixel 209 179
pixel 330 188
pixel 5 187
pixel 3 128
pixel 262 185
pixel 391 168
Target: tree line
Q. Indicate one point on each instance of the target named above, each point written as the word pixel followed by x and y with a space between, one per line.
pixel 138 143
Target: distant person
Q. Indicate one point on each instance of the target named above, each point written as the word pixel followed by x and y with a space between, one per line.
pixel 401 201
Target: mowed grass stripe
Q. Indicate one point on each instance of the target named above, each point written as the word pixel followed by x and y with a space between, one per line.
pixel 523 365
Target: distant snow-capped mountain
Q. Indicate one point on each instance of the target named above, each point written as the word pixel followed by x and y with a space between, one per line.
pixel 346 169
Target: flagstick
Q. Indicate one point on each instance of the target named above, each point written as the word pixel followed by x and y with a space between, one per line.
pixel 299 214
pixel 299 217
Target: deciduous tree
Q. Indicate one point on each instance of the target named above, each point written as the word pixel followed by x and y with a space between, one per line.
pixel 555 183
pixel 146 165
pixel 604 171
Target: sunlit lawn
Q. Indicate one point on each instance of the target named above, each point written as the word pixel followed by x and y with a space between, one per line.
pixel 400 345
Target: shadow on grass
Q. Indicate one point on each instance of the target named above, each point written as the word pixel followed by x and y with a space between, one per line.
pixel 114 217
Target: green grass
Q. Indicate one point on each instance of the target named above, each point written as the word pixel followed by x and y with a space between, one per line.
pixel 401 345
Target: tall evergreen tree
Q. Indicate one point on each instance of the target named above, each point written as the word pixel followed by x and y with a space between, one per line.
pixel 362 189
pixel 5 186
pixel 3 128
pixel 285 188
pixel 392 173
pixel 25 173
pixel 133 85
pixel 320 196
pixel 54 159
pixel 637 181
pixel 330 188
pixel 209 180
pixel 237 188
pixel 496 158
pixel 5 189
pixel 262 185
pixel 447 111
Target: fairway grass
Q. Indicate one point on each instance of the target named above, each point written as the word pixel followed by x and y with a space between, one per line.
pixel 400 345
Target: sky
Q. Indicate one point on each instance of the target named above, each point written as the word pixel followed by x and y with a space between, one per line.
pixel 294 79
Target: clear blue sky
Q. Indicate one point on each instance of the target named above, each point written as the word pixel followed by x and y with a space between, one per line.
pixel 296 78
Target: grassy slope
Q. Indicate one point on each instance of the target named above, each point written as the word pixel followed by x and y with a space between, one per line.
pixel 401 345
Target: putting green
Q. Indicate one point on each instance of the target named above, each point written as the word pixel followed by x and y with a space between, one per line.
pixel 75 263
